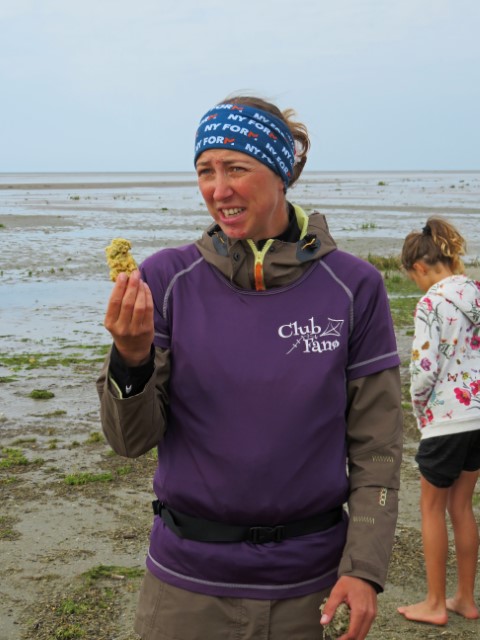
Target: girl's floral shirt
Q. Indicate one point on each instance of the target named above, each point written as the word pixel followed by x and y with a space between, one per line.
pixel 445 363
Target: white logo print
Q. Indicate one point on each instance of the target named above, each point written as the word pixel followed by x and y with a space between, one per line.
pixel 309 336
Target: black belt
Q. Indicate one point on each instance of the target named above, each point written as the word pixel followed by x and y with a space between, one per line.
pixel 208 531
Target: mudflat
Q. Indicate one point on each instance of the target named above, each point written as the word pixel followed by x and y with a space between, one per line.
pixel 74 517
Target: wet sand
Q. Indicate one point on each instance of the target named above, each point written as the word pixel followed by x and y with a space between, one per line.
pixel 52 532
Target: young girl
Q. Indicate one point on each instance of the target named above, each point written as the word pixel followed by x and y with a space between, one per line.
pixel 445 390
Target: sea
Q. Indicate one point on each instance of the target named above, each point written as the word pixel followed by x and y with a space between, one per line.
pixel 54 228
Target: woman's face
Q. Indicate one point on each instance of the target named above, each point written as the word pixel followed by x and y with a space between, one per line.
pixel 242 195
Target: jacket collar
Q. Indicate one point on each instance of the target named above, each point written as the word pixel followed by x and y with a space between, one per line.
pixel 281 262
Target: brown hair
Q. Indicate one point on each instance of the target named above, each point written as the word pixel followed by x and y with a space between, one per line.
pixel 438 241
pixel 297 129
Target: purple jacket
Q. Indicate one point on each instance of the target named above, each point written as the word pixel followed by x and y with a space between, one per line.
pixel 259 404
pixel 256 426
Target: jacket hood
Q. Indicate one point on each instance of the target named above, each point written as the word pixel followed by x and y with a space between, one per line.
pixel 463 293
pixel 281 262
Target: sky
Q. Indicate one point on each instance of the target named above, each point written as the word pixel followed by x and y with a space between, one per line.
pixel 120 85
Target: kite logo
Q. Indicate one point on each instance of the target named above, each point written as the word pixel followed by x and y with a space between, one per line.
pixel 311 337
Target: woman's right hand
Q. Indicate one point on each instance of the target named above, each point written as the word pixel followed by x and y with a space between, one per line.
pixel 129 318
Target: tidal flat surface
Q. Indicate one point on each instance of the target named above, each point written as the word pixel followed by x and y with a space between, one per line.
pixel 75 519
pixel 54 229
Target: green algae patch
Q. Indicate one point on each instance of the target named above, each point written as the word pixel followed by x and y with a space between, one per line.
pixel 102 572
pixel 20 441
pixel 7 379
pixel 402 310
pixel 384 263
pixel 403 296
pixel 90 608
pixel 78 358
pixel 53 414
pixel 95 438
pixel 7 531
pixel 79 479
pixel 12 457
pixel 41 394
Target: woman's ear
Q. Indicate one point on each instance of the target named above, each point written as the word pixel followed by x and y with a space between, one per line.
pixel 420 268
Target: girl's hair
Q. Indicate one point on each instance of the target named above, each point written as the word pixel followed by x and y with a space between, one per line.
pixel 297 129
pixel 438 241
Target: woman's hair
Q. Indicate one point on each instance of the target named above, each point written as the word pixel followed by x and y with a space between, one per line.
pixel 438 241
pixel 297 129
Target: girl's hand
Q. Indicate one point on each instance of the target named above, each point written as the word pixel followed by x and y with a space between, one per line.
pixel 129 318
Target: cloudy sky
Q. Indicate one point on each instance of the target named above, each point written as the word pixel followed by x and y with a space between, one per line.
pixel 119 85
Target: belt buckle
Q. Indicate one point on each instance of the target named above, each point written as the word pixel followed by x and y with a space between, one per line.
pixel 260 535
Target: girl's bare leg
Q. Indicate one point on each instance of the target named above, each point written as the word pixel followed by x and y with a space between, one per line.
pixel 459 505
pixel 432 610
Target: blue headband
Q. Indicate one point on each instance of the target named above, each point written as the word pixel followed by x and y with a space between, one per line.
pixel 252 131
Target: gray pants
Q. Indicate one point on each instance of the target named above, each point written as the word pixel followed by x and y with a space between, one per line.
pixel 168 613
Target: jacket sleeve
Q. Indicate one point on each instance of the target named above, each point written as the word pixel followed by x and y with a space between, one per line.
pixel 424 364
pixel 375 442
pixel 134 425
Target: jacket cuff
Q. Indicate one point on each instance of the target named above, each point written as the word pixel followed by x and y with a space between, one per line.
pixel 361 569
pixel 129 381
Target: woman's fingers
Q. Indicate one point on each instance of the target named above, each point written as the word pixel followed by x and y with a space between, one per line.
pixel 142 311
pixel 129 316
pixel 115 301
pixel 121 304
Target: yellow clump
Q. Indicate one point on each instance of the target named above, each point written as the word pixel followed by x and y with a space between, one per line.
pixel 119 258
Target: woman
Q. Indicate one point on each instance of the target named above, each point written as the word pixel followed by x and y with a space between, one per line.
pixel 445 390
pixel 260 360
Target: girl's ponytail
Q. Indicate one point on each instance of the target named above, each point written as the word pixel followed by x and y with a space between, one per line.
pixel 438 241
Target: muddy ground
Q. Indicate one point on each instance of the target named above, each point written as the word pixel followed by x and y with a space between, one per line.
pixel 75 518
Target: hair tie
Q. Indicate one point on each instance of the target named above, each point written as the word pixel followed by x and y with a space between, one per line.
pixel 427 231
pixel 253 131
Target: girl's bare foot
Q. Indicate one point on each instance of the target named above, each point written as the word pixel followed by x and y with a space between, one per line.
pixel 424 612
pixel 467 610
